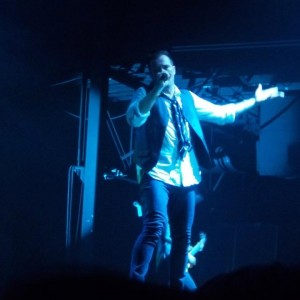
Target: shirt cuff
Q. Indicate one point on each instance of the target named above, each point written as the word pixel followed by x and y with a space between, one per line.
pixel 138 113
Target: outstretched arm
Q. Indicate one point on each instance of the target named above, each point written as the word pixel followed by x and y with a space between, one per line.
pixel 222 114
pixel 260 95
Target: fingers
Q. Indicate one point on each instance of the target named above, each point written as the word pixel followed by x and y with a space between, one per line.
pixel 262 95
pixel 280 94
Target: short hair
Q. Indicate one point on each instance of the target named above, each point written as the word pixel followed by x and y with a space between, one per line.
pixel 152 56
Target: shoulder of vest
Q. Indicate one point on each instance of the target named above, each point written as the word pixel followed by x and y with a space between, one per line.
pixel 186 93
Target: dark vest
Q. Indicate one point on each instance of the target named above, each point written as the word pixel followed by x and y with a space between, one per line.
pixel 148 138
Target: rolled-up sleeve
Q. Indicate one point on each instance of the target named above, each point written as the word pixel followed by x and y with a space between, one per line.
pixel 133 115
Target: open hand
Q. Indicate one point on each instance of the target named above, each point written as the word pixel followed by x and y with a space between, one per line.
pixel 262 95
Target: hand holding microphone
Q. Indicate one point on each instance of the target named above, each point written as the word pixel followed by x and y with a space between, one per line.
pixel 164 77
pixel 161 81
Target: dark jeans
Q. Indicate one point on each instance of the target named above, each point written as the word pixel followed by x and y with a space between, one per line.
pixel 162 203
pixel 162 276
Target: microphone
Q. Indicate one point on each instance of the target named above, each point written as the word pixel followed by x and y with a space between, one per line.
pixel 164 77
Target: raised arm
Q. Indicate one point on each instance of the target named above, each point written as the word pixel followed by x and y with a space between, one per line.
pixel 148 101
pixel 142 102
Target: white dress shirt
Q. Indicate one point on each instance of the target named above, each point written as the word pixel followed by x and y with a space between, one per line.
pixel 170 168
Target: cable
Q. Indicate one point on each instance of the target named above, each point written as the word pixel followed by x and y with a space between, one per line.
pixel 79 212
pixel 278 114
pixel 69 206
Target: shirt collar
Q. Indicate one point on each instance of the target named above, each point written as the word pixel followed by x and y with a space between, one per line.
pixel 177 92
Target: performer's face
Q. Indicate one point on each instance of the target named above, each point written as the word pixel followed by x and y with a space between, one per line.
pixel 163 64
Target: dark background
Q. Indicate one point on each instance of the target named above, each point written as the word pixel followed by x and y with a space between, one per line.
pixel 248 219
